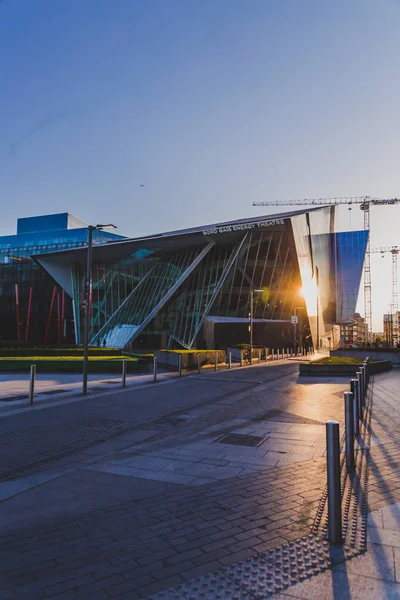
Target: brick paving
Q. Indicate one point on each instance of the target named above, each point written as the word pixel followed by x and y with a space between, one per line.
pixel 79 425
pixel 152 543
pixel 384 474
pixel 95 534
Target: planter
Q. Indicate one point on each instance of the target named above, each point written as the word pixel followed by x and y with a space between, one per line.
pixel 344 370
pixel 392 354
pixel 241 352
pixel 189 359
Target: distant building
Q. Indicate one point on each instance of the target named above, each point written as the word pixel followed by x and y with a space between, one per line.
pixel 355 332
pixel 33 307
pixel 388 322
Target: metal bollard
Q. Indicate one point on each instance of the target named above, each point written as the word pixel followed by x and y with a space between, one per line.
pixel 155 369
pixel 198 364
pixel 241 358
pixel 360 386
pixel 366 362
pixel 124 363
pixel 364 389
pixel 215 361
pixel 356 417
pixel 259 355
pixel 348 416
pixel 32 383
pixel 180 365
pixel 365 367
pixel 334 492
pixel 360 402
pixel 229 360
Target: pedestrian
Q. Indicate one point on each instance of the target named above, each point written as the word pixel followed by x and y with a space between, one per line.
pixel 104 343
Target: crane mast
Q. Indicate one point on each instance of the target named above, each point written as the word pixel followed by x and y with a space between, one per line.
pixel 394 251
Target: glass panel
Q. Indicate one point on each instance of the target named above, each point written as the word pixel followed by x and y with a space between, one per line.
pixel 165 271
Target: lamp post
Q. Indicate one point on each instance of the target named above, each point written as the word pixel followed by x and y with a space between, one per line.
pixel 251 317
pixel 88 298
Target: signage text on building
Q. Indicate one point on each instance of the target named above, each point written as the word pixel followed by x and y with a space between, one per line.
pixel 243 226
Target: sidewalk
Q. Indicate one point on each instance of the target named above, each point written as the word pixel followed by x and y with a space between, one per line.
pixel 63 388
pixel 376 574
pixel 127 494
pixel 369 572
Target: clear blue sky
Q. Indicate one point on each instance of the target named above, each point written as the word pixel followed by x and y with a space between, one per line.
pixel 210 104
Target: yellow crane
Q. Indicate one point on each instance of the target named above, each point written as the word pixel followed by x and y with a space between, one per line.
pixel 365 203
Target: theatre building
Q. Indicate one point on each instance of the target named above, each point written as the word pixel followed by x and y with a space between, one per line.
pixel 193 288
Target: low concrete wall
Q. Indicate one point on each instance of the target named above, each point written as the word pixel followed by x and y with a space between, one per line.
pixel 374 353
pixel 237 352
pixel 189 359
pixel 326 370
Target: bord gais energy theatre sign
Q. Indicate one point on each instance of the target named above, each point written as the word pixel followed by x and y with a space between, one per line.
pixel 243 226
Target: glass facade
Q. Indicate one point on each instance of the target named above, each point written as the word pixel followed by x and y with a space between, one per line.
pixel 350 253
pixel 172 289
pixel 33 308
pixel 164 298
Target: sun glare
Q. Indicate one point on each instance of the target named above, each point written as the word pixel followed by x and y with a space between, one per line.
pixel 308 291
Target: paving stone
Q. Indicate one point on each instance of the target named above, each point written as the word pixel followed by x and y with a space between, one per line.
pixel 378 562
pixel 118 521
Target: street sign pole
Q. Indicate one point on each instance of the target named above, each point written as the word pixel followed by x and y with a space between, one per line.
pixel 295 320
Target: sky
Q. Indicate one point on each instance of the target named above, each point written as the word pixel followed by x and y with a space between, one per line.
pixel 162 114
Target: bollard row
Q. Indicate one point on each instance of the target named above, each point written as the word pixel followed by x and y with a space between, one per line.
pixel 354 405
pixel 266 355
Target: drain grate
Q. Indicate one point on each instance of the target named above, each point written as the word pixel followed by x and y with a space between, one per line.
pixel 240 439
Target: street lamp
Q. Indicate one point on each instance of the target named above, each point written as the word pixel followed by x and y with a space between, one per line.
pixel 251 319
pixel 88 297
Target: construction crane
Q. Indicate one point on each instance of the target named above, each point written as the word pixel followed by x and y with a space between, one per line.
pixel 365 203
pixel 394 251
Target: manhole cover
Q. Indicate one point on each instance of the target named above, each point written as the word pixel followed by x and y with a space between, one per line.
pixel 239 439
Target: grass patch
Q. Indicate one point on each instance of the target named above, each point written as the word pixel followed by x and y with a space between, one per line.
pixel 339 360
pixel 60 351
pixel 68 364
